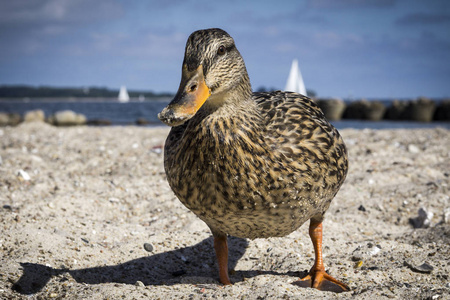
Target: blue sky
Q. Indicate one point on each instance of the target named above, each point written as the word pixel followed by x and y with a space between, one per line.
pixel 345 48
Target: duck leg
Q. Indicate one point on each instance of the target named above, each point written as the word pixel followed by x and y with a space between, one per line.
pixel 317 277
pixel 221 248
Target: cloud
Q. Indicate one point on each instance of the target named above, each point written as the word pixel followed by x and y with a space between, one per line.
pixel 165 5
pixel 26 12
pixel 421 18
pixel 149 45
pixel 349 4
pixel 334 40
pixel 31 27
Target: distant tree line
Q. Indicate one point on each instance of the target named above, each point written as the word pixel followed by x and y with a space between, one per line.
pixel 25 91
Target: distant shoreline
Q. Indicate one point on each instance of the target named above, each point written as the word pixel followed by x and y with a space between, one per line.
pixel 158 97
pixel 93 93
pixel 31 92
pixel 80 99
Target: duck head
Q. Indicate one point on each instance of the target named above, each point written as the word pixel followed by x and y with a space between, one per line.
pixel 213 74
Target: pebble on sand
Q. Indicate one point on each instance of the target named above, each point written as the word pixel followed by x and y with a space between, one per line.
pixel 423 268
pixel 413 148
pixel 24 175
pixel 148 247
pixel 423 220
pixel 446 212
pixel 140 283
pixel 363 252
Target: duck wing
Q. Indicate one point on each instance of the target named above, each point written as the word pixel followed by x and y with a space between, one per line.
pixel 299 135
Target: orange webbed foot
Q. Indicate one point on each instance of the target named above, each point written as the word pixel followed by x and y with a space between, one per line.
pixel 319 279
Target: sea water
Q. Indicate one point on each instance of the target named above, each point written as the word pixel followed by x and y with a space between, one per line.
pixel 128 113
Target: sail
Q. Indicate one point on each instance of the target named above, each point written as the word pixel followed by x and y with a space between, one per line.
pixel 295 80
pixel 123 94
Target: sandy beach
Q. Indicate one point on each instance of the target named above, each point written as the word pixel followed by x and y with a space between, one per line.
pixel 86 213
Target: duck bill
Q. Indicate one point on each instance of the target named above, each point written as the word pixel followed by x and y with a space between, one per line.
pixel 191 95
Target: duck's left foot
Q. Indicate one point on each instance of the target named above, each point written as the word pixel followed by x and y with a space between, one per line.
pixel 319 279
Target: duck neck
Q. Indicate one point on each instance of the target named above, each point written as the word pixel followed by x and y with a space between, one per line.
pixel 232 107
pixel 235 97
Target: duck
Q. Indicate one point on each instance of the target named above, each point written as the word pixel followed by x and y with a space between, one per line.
pixel 249 164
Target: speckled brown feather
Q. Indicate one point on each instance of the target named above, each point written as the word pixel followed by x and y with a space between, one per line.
pixel 259 167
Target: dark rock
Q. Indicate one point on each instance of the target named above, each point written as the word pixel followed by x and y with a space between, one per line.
pixel 7 207
pixel 423 268
pixel 179 272
pixel 374 111
pixel 142 121
pixel 422 110
pixel 423 220
pixel 148 247
pixel 355 110
pixel 365 110
pixel 99 122
pixel 443 111
pixel 397 110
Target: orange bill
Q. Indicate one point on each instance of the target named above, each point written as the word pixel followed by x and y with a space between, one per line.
pixel 191 95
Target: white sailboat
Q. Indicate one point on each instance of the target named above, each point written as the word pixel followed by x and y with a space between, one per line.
pixel 295 80
pixel 123 94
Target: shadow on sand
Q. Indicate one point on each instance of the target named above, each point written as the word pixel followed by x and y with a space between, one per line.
pixel 164 268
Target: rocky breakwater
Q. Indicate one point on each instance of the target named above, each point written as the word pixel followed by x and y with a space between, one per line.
pixel 422 109
pixel 365 110
pixel 419 110
pixel 443 111
pixel 333 109
pixel 397 110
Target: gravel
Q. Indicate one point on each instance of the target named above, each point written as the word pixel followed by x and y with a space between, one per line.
pixel 96 219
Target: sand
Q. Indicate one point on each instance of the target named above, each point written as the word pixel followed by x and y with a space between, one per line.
pixel 76 226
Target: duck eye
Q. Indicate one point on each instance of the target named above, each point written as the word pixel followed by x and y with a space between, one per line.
pixel 221 50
